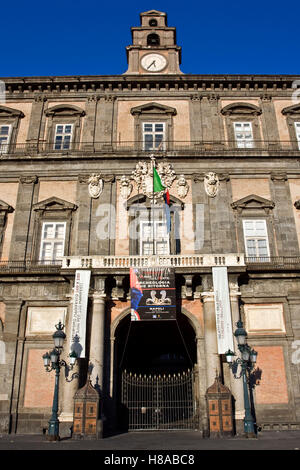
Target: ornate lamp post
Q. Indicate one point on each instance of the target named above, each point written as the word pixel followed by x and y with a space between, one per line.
pixel 247 362
pixel 53 358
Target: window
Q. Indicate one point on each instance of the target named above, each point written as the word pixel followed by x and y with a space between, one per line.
pixel 297 129
pixel 156 231
pixel 243 134
pixel 63 136
pixel 153 124
pixel 5 132
pixel 52 241
pixel 153 40
pixel 153 135
pixel 256 239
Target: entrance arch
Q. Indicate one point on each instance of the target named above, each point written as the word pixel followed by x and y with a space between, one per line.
pixel 164 352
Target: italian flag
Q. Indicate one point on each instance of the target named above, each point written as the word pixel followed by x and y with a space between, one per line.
pixel 157 187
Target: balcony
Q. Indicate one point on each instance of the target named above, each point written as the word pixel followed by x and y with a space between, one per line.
pixel 179 262
pixel 30 267
pixel 273 263
pixel 121 264
pixel 132 148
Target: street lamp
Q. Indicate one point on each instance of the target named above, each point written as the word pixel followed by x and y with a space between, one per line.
pixel 247 362
pixel 52 361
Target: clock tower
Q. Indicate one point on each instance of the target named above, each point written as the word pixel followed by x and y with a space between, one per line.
pixel 154 49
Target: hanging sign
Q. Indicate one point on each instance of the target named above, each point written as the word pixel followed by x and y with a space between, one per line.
pixel 78 326
pixel 222 310
pixel 153 295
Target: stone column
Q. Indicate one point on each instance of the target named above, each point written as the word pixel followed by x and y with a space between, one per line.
pixel 210 338
pixel 97 334
pixel 236 385
pixel 68 389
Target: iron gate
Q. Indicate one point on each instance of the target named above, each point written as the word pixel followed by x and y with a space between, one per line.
pixel 159 402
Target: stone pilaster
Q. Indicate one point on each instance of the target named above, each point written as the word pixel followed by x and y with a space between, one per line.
pixel 35 128
pixel 84 203
pixel 284 221
pixel 104 132
pixel 13 337
pixel 90 122
pixel 103 218
pixel 23 213
pixel 269 122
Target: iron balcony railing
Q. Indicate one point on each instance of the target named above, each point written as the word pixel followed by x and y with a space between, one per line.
pixel 199 146
pixel 274 262
pixel 30 266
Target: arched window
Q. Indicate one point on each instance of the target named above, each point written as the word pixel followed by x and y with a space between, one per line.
pixel 153 40
pixel 242 124
pixel 292 114
pixel 64 127
pixel 9 124
pixel 153 126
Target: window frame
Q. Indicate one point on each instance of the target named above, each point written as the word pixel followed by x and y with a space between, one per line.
pixel 243 112
pixel 53 241
pixel 256 238
pixel 63 134
pixel 153 113
pixel 10 117
pixel 156 240
pixel 297 132
pixel 243 140
pixel 5 150
pixel 64 114
pixel 154 133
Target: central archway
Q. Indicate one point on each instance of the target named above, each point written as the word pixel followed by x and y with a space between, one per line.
pixel 154 364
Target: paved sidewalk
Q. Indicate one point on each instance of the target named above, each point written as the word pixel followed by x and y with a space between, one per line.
pixel 145 441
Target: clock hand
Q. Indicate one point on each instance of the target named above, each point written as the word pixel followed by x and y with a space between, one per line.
pixel 152 63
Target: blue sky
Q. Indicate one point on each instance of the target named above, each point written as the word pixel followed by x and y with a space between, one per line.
pixel 89 38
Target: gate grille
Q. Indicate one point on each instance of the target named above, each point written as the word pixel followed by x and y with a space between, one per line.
pixel 159 402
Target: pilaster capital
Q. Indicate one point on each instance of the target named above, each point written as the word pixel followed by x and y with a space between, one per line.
pixel 28 179
pixel 280 176
pixel 208 296
pixel 83 179
pixel 99 297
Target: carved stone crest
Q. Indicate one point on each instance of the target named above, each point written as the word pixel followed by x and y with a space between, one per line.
pixel 182 187
pixel 95 186
pixel 125 187
pixel 143 177
pixel 211 184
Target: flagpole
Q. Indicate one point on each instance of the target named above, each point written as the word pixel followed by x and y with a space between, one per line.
pixel 152 208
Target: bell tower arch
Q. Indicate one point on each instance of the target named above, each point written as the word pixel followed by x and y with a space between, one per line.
pixel 154 49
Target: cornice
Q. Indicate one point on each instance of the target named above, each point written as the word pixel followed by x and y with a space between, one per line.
pixel 117 83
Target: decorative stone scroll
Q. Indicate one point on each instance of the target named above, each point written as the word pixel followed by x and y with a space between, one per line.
pixel 211 184
pixel 95 186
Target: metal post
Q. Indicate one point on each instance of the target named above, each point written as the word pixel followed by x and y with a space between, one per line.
pixel 248 420
pixel 53 430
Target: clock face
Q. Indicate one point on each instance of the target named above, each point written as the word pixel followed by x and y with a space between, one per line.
pixel 153 62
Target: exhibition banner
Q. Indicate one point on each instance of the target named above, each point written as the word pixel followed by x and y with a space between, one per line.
pixel 222 309
pixel 80 301
pixel 153 295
